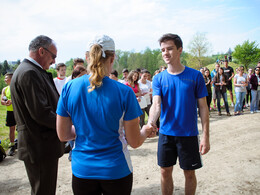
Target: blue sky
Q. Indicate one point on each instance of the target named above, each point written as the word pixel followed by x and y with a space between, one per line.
pixel 133 24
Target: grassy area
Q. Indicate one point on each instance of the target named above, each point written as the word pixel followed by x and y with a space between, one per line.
pixel 4 131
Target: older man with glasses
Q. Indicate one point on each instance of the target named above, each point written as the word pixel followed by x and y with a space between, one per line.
pixel 35 98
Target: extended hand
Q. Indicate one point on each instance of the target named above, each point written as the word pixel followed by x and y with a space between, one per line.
pixel 204 146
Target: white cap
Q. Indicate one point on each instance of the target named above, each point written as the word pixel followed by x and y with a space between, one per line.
pixel 105 42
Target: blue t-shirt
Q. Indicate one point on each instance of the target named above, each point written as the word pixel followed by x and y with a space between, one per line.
pixel 100 150
pixel 179 95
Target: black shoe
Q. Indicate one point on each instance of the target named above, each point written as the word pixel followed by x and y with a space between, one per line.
pixel 11 151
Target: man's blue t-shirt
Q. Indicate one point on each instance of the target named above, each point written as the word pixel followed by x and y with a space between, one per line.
pixel 100 150
pixel 179 95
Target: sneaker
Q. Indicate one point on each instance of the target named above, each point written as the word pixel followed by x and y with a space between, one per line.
pixel 219 113
pixel 232 104
pixel 11 151
pixel 252 112
pixel 214 106
pixel 258 111
pixel 228 114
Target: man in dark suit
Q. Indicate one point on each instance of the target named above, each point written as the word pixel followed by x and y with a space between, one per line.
pixel 35 98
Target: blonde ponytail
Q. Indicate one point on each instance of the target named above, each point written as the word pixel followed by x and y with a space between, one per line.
pixel 96 66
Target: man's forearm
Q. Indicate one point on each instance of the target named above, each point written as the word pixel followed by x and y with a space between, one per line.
pixel 154 113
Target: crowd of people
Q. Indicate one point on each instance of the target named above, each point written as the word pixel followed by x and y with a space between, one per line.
pixel 246 87
pixel 99 114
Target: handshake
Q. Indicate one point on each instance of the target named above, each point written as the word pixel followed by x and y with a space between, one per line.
pixel 150 129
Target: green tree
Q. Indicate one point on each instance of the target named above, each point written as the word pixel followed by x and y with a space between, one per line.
pixel 5 67
pixel 247 53
pixel 198 47
pixel 53 72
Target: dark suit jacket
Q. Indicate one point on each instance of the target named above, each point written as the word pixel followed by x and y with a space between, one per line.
pixel 34 99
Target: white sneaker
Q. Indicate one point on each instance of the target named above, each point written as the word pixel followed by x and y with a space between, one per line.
pixel 252 112
pixel 258 111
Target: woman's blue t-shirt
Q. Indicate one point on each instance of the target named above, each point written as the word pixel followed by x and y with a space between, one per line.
pixel 179 94
pixel 100 150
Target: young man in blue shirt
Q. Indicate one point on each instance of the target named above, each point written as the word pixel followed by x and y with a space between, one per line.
pixel 176 93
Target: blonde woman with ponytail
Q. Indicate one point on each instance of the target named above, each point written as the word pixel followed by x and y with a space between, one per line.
pixel 100 110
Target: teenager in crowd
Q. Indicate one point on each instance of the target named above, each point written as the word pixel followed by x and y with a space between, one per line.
pixel 220 82
pixel 207 79
pixel 146 91
pixel 248 88
pixel 240 83
pixel 10 121
pixel 255 90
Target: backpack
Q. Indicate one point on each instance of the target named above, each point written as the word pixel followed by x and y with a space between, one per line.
pixel 2 153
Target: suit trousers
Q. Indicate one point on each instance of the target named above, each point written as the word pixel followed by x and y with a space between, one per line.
pixel 42 176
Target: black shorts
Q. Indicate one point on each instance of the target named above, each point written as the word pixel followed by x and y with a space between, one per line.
pixel 121 186
pixel 10 121
pixel 229 85
pixel 186 148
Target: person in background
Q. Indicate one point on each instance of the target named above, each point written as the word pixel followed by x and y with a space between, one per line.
pixel 213 74
pixel 220 82
pixel 125 75
pixel 76 61
pixel 255 90
pixel 100 109
pixel 176 92
pixel 132 81
pixel 208 81
pixel 229 72
pixel 149 77
pixel 114 75
pixel 240 83
pixel 35 98
pixel 248 88
pixel 10 121
pixel 60 80
pixel 163 68
pixel 146 91
pixel 78 71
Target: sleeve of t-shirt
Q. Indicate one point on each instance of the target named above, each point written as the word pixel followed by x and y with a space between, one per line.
pixel 61 107
pixel 132 108
pixel 156 86
pixel 201 90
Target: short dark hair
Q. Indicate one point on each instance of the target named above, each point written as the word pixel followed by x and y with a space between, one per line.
pixel 60 65
pixel 40 41
pixel 77 60
pixel 125 70
pixel 144 71
pixel 171 37
pixel 9 74
pixel 77 71
pixel 114 72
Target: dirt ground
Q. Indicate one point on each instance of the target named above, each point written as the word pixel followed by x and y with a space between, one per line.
pixel 231 167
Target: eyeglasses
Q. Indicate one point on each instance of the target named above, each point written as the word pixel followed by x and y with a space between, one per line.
pixel 52 54
pixel 256 69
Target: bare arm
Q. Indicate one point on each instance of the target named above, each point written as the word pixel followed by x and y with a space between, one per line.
pixel 65 129
pixel 204 115
pixel 134 136
pixel 155 110
pixel 231 76
pixel 3 102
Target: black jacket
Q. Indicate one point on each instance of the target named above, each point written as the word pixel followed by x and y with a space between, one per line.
pixel 34 99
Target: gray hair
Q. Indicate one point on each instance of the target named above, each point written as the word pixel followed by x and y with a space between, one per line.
pixel 40 41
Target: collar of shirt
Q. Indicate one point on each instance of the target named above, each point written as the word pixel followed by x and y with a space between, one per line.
pixel 34 62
